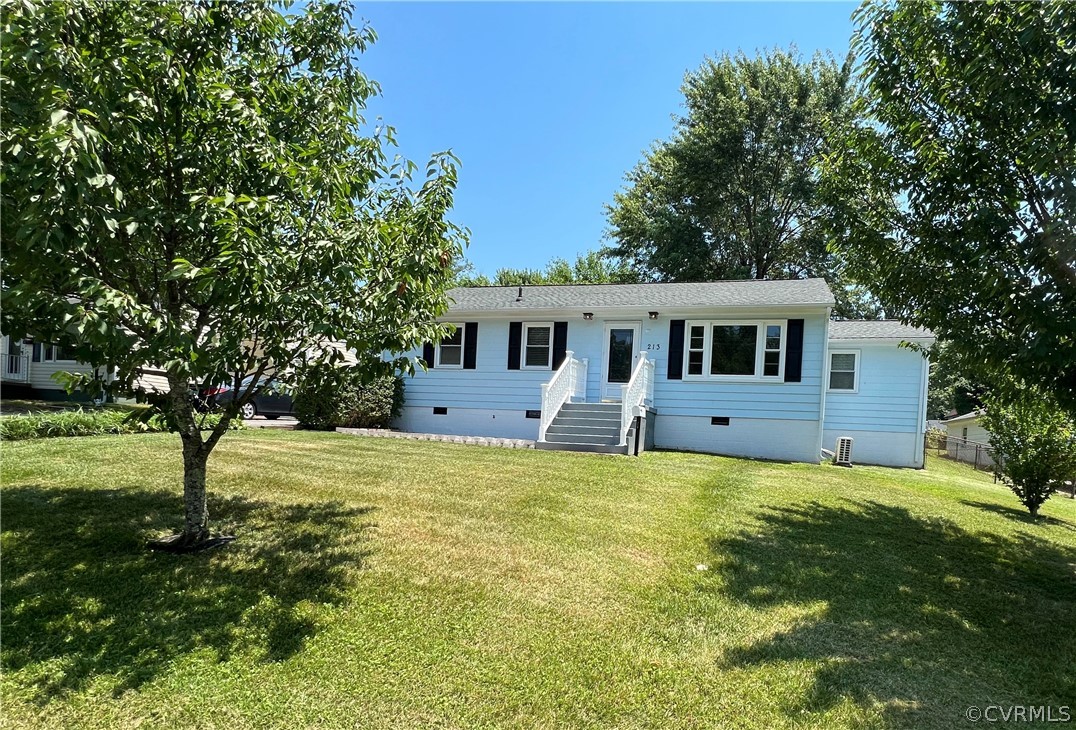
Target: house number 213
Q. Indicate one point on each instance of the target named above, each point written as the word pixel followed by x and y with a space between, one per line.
pixel 654 346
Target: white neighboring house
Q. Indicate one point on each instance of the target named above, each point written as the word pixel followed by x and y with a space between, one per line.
pixel 27 369
pixel 744 368
pixel 968 427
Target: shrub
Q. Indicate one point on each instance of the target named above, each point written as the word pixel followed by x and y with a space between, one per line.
pixel 85 423
pixel 936 438
pixel 375 404
pixel 1037 443
pixel 327 400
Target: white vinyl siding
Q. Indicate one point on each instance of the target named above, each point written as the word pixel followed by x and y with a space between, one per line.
pixel 889 385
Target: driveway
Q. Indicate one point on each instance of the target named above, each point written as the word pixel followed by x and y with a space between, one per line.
pixel 284 422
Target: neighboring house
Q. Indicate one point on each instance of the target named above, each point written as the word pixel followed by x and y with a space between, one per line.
pixel 27 369
pixel 745 368
pixel 967 440
pixel 967 427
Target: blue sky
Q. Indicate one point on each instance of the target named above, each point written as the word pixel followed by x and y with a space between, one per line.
pixel 548 105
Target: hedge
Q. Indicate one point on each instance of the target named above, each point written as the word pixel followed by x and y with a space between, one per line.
pixel 328 400
pixel 84 423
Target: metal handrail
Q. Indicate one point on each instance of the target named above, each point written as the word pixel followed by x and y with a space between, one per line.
pixel 638 391
pixel 569 381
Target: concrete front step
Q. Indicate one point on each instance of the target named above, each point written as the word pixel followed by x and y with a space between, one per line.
pixel 612 430
pixel 582 438
pixel 590 427
pixel 591 407
pixel 587 422
pixel 585 448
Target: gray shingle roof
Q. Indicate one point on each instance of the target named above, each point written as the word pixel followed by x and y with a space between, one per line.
pixel 966 416
pixel 753 293
pixel 878 329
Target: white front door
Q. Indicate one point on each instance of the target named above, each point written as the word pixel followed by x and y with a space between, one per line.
pixel 621 354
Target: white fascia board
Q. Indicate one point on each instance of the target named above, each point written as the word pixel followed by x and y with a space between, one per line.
pixel 839 342
pixel 627 313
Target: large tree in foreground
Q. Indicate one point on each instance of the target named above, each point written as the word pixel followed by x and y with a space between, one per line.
pixel 957 194
pixel 186 184
pixel 734 193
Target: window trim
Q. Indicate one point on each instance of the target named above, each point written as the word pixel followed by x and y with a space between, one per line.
pixel 438 365
pixel 760 349
pixel 523 347
pixel 855 371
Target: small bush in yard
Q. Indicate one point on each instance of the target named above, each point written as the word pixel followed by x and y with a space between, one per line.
pixel 1037 442
pixel 84 423
pixel 328 400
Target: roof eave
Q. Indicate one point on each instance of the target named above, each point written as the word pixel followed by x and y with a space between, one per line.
pixel 663 310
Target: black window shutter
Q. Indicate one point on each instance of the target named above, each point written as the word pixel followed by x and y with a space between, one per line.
pixel 470 345
pixel 36 353
pixel 427 354
pixel 794 351
pixel 560 343
pixel 676 349
pixel 515 343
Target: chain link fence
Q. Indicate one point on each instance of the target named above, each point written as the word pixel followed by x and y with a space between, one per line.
pixel 980 456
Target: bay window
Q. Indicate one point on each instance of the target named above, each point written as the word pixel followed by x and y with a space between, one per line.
pixel 752 350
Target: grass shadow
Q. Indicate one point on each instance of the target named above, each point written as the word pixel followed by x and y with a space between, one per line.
pixel 84 600
pixel 916 616
pixel 1020 515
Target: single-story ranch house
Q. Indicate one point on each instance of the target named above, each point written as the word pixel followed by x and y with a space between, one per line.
pixel 745 368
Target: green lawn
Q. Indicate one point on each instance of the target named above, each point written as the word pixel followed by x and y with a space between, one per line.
pixel 385 583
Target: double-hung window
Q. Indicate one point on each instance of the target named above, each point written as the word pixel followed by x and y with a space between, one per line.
pixel 750 350
pixel 538 345
pixel 46 352
pixel 450 351
pixel 844 371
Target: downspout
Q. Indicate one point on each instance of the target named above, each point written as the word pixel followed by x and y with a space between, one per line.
pixel 920 457
pixel 824 385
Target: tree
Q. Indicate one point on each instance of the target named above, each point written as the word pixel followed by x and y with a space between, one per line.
pixel 954 385
pixel 1036 440
pixel 955 192
pixel 589 268
pixel 734 193
pixel 187 185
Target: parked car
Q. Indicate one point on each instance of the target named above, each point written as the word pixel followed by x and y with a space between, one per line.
pixel 270 401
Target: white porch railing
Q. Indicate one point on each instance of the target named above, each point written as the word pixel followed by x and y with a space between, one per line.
pixel 16 368
pixel 636 393
pixel 570 381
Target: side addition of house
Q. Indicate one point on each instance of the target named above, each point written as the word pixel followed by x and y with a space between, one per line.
pixel 743 368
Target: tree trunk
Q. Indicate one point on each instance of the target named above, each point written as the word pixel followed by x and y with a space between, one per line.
pixel 195 456
pixel 196 513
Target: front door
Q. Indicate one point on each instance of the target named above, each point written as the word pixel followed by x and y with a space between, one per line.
pixel 621 355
